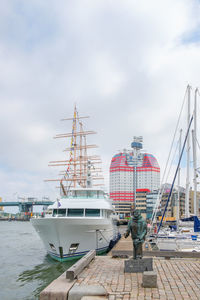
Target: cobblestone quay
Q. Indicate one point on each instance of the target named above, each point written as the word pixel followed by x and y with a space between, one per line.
pixel 176 278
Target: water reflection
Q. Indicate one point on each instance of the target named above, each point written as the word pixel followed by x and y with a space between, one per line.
pixel 41 275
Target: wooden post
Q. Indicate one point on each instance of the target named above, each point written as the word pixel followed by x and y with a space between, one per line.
pixel 77 268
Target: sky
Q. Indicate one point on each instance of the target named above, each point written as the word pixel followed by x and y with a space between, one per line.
pixel 126 64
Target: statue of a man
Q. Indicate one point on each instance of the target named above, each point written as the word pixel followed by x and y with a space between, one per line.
pixel 138 228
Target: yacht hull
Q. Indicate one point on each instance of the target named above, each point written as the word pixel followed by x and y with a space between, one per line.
pixel 71 238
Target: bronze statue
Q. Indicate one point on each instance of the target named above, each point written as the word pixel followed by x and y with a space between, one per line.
pixel 138 228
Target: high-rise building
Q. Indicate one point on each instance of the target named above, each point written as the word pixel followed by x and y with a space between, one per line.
pixel 132 171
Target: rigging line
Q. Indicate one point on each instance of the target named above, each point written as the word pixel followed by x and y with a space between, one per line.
pixel 70 155
pixel 186 137
pixel 176 129
pixel 102 235
pixel 163 186
pixel 170 167
pixel 173 159
pixel 198 143
pixel 72 140
pixel 165 170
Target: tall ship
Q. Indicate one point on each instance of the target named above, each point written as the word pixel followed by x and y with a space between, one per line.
pixel 82 219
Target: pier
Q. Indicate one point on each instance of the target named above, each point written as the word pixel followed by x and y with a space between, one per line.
pixel 177 278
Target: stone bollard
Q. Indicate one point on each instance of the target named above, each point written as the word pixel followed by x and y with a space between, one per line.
pixel 149 279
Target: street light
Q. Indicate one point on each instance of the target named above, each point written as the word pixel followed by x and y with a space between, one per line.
pixel 136 145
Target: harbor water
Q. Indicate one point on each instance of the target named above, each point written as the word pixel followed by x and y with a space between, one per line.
pixel 25 267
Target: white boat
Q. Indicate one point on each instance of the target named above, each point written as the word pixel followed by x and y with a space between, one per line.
pixel 82 222
pixel 82 219
pixel 183 240
pixel 178 242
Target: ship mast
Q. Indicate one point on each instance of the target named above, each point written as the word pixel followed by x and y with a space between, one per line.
pixel 178 196
pixel 188 161
pixel 194 140
pixel 76 167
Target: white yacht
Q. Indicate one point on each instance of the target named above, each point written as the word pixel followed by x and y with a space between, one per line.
pixel 187 238
pixel 179 242
pixel 82 219
pixel 78 223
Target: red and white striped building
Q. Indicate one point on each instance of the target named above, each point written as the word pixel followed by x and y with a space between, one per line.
pixel 122 179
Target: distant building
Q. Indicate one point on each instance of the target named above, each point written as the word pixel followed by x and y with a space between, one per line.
pixel 126 173
pixel 191 197
pixel 172 206
pixel 141 201
pixel 171 211
pixel 151 199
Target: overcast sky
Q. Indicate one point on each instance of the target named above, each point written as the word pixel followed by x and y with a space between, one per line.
pixel 125 63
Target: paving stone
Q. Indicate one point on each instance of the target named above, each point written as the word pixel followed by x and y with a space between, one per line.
pixel 111 297
pixel 94 298
pixel 77 292
pixel 177 279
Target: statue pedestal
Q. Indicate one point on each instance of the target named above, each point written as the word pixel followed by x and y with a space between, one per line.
pixel 138 265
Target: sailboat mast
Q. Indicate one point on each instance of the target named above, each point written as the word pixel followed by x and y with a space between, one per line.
pixel 188 160
pixel 172 186
pixel 81 153
pixel 85 165
pixel 178 197
pixel 194 134
pixel 75 145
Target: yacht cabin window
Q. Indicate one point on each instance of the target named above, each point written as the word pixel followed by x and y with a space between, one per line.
pixel 81 194
pixel 78 212
pixel 90 212
pixel 75 212
pixel 86 194
pixel 60 212
pixel 92 194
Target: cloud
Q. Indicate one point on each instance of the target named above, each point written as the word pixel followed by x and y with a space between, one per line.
pixel 127 64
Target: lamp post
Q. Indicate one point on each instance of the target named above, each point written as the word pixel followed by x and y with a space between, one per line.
pixel 136 145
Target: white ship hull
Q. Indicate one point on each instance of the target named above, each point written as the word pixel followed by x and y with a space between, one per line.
pixel 69 238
